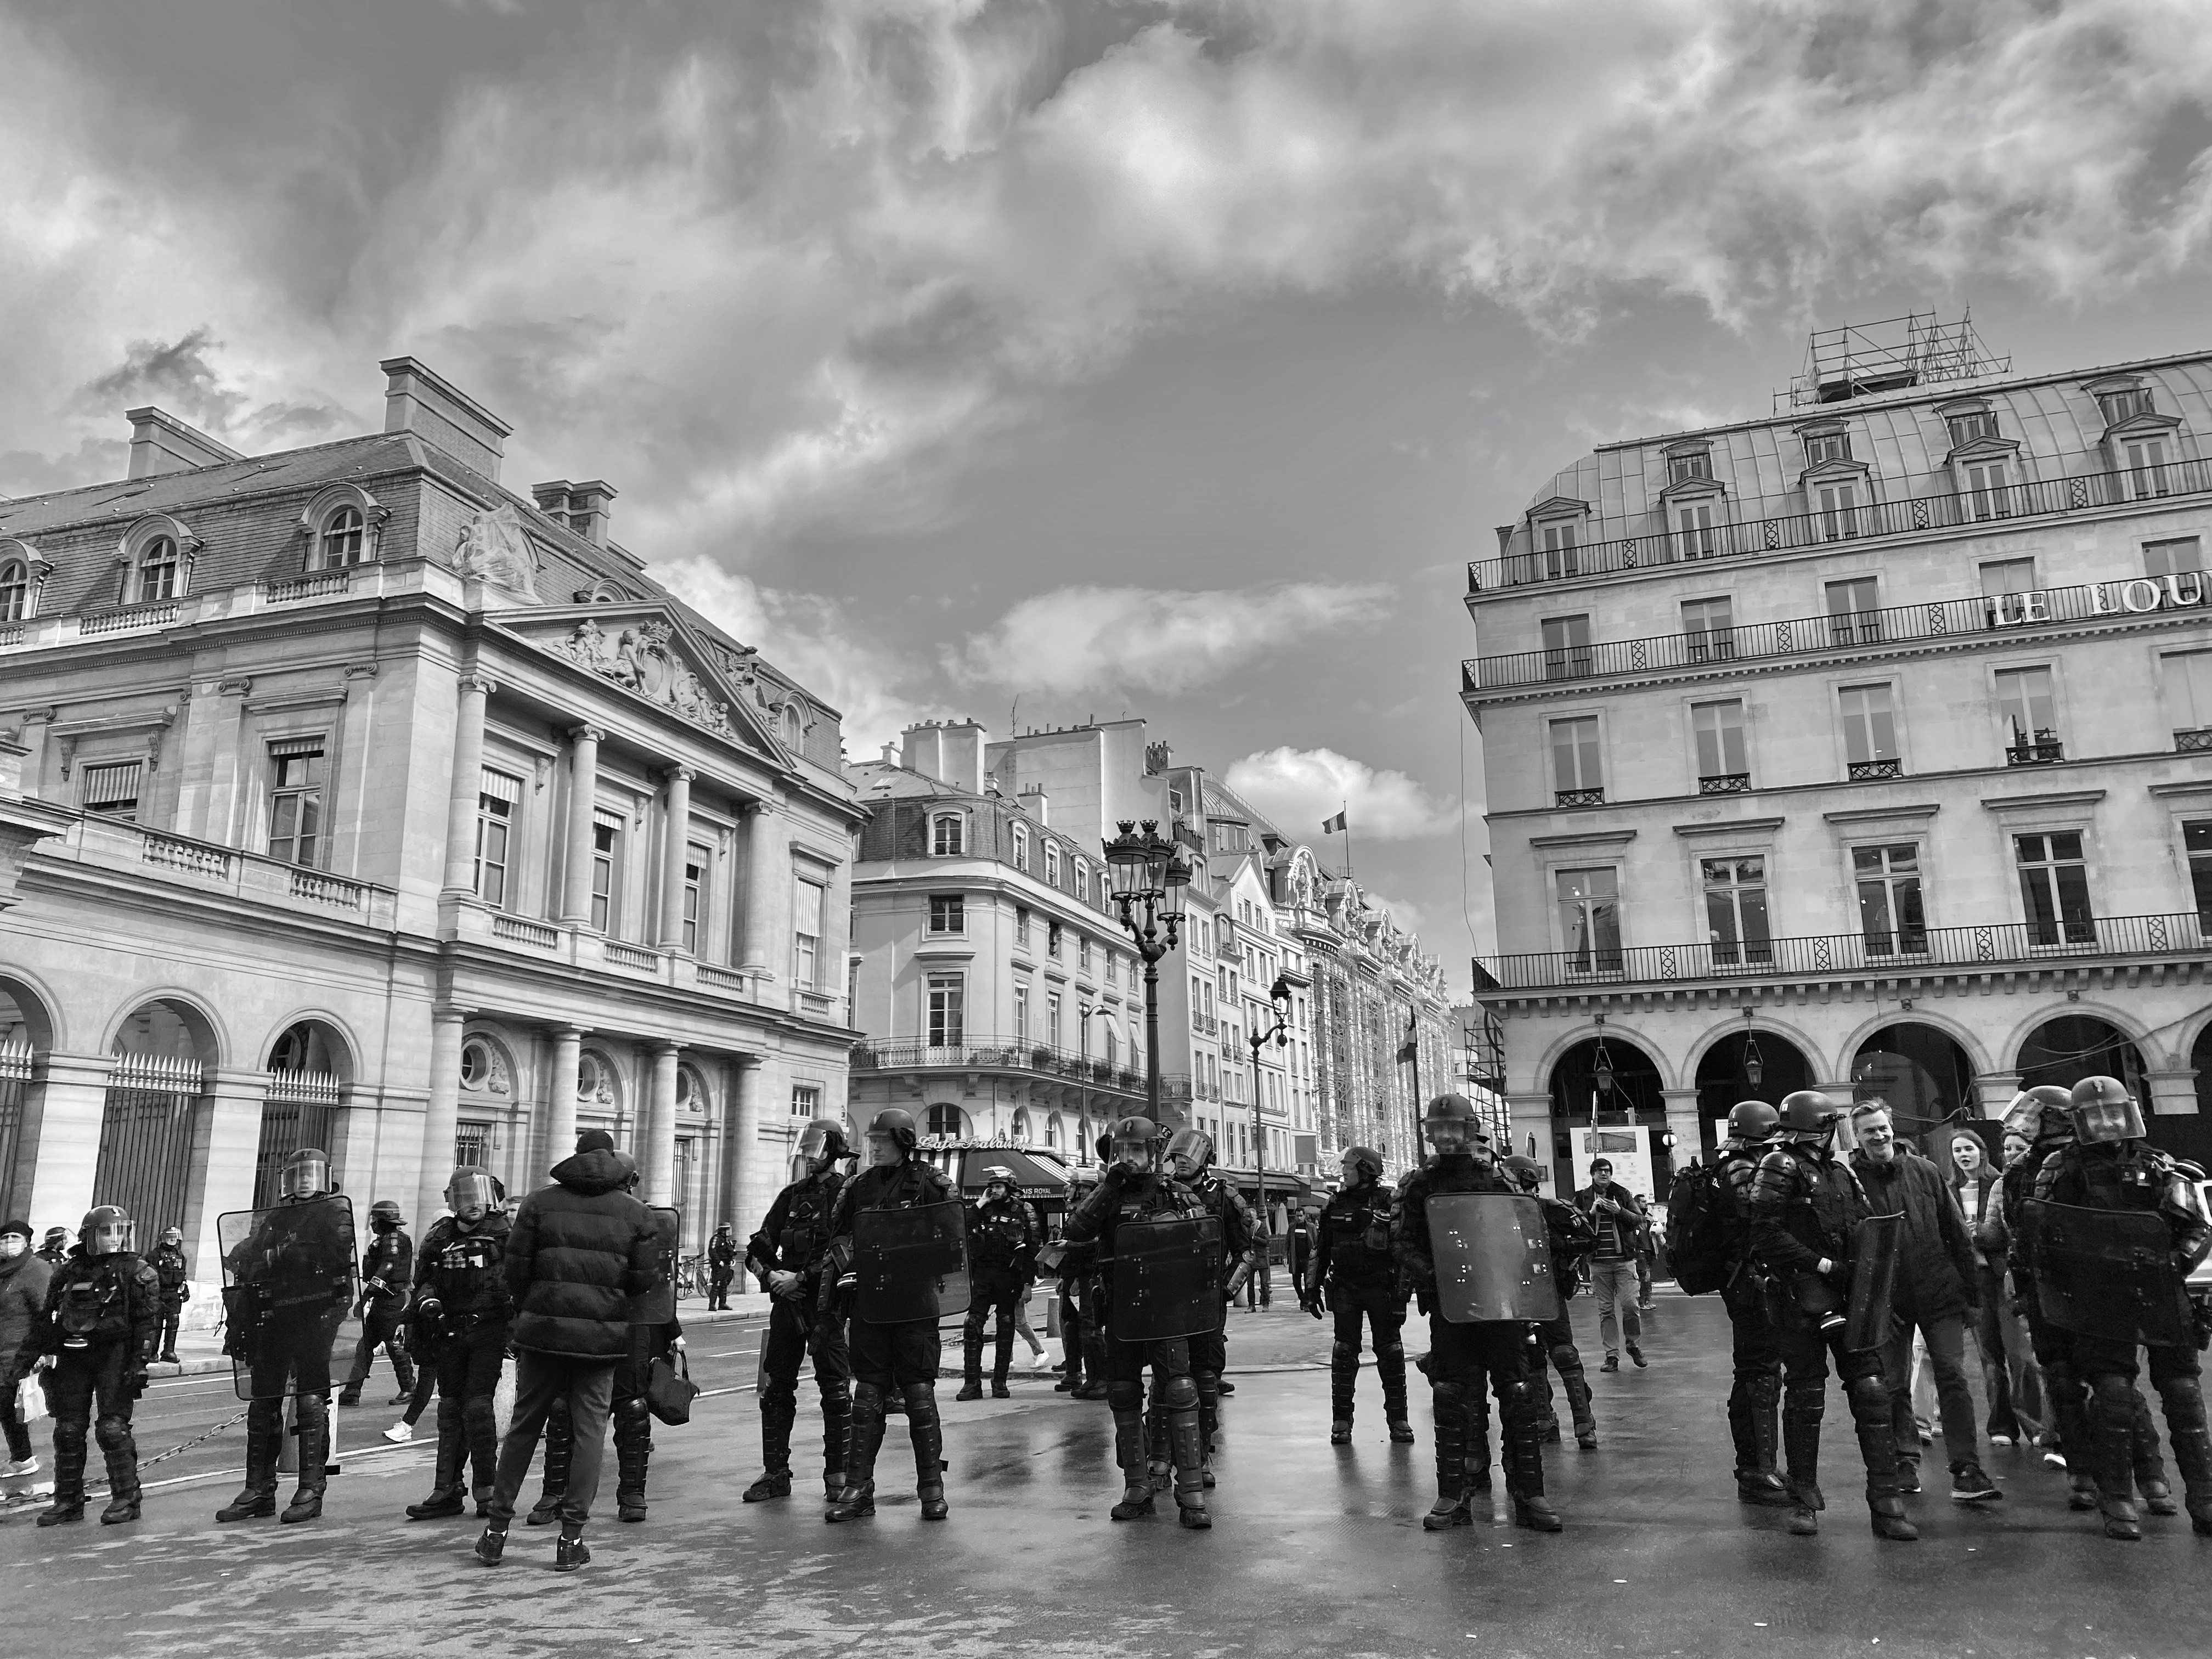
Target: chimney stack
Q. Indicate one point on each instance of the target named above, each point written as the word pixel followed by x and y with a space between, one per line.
pixel 417 401
pixel 583 507
pixel 950 751
pixel 160 443
pixel 1034 802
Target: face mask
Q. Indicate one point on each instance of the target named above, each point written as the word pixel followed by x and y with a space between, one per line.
pixel 13 1246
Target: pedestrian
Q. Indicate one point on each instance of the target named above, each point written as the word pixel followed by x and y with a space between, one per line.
pixel 54 1248
pixel 1805 1210
pixel 1003 1238
pixel 461 1292
pixel 1936 1291
pixel 576 1253
pixel 1618 1215
pixel 423 1349
pixel 388 1269
pixel 721 1268
pixel 174 1272
pixel 24 1276
pixel 1974 1189
pixel 101 1317
pixel 787 1255
pixel 1022 1318
pixel 1354 1276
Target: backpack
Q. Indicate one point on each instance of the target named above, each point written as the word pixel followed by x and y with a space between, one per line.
pixel 1700 1227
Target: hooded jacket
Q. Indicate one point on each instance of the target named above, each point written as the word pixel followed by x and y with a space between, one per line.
pixel 23 1281
pixel 578 1252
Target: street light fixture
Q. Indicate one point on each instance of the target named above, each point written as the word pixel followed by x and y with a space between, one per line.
pixel 1278 1031
pixel 1147 873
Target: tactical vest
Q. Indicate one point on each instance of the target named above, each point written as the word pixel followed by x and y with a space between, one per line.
pixel 997 1235
pixel 1831 1191
pixel 1357 1226
pixel 466 1272
pixel 1153 1200
pixel 806 1232
pixel 96 1306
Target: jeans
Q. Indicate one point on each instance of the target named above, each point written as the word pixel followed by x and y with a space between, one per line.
pixel 1947 1357
pixel 1613 1282
pixel 587 1382
pixel 1996 1347
pixel 11 1420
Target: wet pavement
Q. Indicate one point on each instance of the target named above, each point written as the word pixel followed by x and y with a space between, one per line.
pixel 1314 1550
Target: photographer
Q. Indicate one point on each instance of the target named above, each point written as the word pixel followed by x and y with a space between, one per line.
pixel 1618 1215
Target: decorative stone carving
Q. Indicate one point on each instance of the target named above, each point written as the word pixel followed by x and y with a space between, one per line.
pixel 641 659
pixel 494 547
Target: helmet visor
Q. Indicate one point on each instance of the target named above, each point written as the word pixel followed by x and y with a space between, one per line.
pixel 2109 1120
pixel 815 1140
pixel 306 1175
pixel 1189 1152
pixel 111 1235
pixel 2024 1117
pixel 472 1196
pixel 1133 1155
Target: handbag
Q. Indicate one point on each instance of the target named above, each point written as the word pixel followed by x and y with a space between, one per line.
pixel 669 1389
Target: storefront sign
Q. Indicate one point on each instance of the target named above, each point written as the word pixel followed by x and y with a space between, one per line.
pixel 2185 589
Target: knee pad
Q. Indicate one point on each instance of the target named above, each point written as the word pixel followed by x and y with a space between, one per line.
pixel 114 1433
pixel 1125 1396
pixel 632 1412
pixel 1343 1353
pixel 478 1412
pixel 1180 1394
pixel 920 1401
pixel 867 1397
pixel 1449 1394
pixel 69 1434
pixel 1393 1350
pixel 2113 1392
pixel 1868 1391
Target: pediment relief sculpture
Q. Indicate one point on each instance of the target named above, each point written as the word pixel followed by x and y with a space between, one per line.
pixel 639 657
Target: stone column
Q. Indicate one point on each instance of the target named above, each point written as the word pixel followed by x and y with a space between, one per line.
pixel 760 826
pixel 676 846
pixel 740 1141
pixel 583 791
pixel 226 1140
pixel 1689 1135
pixel 2172 1094
pixel 657 1133
pixel 1532 1115
pixel 58 1149
pixel 440 1115
pixel 561 1095
pixel 467 784
pixel 1994 1093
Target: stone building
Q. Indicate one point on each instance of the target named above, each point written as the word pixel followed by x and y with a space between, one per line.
pixel 1867 744
pixel 349 798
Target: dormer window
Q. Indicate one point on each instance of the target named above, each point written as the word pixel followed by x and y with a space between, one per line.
pixel 160 571
pixel 342 543
pixel 948 836
pixel 1557 542
pixel 793 728
pixel 1688 465
pixel 1824 448
pixel 2124 404
pixel 1021 847
pixel 15 591
pixel 1972 427
pixel 1052 862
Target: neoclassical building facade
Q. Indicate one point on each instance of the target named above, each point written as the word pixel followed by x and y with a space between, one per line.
pixel 349 798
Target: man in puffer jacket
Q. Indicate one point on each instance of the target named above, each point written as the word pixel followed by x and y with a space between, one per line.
pixel 578 1251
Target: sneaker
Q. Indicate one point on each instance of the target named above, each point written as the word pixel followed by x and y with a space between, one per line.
pixel 17 1471
pixel 1970 1486
pixel 400 1432
pixel 1042 1361
pixel 2001 1440
pixel 1908 1474
pixel 2056 1459
pixel 570 1554
pixel 492 1546
pixel 1637 1354
pixel 1612 1362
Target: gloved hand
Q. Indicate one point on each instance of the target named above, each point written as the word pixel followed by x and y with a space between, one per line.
pixel 1311 1304
pixel 783 1284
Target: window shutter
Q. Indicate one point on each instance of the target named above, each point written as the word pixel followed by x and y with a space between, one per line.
pixel 282 748
pixel 606 820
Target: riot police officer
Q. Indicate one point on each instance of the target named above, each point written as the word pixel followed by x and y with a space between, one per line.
pixel 294 1281
pixel 1755 1351
pixel 896 1353
pixel 1354 1272
pixel 98 1326
pixel 387 1268
pixel 1072 1269
pixel 2110 1176
pixel 175 1273
pixel 460 1286
pixel 1190 1160
pixel 1573 1239
pixel 786 1256
pixel 1461 1356
pixel 721 1268
pixel 1002 1248
pixel 1134 1190
pixel 1098 1311
pixel 1806 1207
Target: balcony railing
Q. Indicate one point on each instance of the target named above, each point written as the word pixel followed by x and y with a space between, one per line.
pixel 1751 536
pixel 995 1053
pixel 1988 945
pixel 1724 783
pixel 1856 630
pixel 115 621
pixel 2188 742
pixel 2046 751
pixel 1873 771
pixel 1579 797
pixel 630 956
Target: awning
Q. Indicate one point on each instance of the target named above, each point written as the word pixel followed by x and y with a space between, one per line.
pixel 1282 1187
pixel 1041 1176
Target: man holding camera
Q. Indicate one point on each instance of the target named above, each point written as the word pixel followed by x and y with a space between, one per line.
pixel 1619 1218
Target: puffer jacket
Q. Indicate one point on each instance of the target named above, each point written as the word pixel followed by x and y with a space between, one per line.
pixel 23 1282
pixel 578 1250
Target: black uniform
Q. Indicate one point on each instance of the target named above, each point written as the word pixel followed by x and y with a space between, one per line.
pixel 1352 1260
pixel 463 1271
pixel 1240 1248
pixel 174 1272
pixel 1573 1240
pixel 632 1421
pixel 386 1269
pixel 2135 1175
pixel 1075 1325
pixel 112 1305
pixel 795 1238
pixel 1805 1203
pixel 1460 1357
pixel 722 1270
pixel 1002 1247
pixel 1755 1346
pixel 295 1278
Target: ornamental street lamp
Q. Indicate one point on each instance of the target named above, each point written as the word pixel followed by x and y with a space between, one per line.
pixel 1147 874
pixel 1279 1001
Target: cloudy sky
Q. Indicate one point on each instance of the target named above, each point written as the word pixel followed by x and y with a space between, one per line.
pixel 1037 361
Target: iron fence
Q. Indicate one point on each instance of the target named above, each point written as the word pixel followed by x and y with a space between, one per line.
pixel 300 1110
pixel 146 1126
pixel 995 1053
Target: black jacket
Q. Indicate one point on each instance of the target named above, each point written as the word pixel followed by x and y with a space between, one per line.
pixel 121 1291
pixel 387 1269
pixel 578 1252
pixel 796 1234
pixel 1354 1239
pixel 170 1266
pixel 465 1271
pixel 1935 1266
pixel 1003 1238
pixel 1617 1239
pixel 1805 1204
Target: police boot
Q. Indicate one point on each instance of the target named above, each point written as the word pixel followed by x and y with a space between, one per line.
pixel 1002 1361
pixel 1390 1366
pixel 1450 1509
pixel 448 1490
pixel 1160 1464
pixel 1870 1416
pixel 2151 1483
pixel 560 1447
pixel 1184 1437
pixel 121 1453
pixel 2185 1423
pixel 314 1418
pixel 633 1453
pixel 1128 1401
pixel 265 1429
pixel 1801 1445
pixel 2111 1443
pixel 1343 1391
pixel 1524 1469
pixel 927 1434
pixel 480 1425
pixel 68 1476
pixel 971 1368
pixel 777 1420
pixel 859 1499
pixel 1209 1421
pixel 836 1433
pixel 1756 1481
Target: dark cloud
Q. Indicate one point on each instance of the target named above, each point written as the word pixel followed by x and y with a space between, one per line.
pixel 179 374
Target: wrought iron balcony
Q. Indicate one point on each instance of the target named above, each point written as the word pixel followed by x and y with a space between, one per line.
pixel 2191 741
pixel 2045 751
pixel 1725 783
pixel 1873 771
pixel 1758 530
pixel 1932 950
pixel 1856 630
pixel 1580 797
pixel 995 1054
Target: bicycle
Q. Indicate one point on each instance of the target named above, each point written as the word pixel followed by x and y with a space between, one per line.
pixel 692 1275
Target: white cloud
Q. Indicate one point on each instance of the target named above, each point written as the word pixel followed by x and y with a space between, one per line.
pixel 1137 639
pixel 1300 788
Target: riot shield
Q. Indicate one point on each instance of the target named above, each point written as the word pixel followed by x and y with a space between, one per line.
pixel 288 1278
pixel 1493 1256
pixel 657 1307
pixel 2108 1273
pixel 1874 1248
pixel 1167 1277
pixel 912 1263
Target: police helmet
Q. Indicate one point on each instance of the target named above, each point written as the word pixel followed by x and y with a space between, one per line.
pixel 471 1193
pixel 1366 1160
pixel 2042 1113
pixel 1191 1148
pixel 1808 1115
pixel 2104 1111
pixel 1104 1148
pixel 307 1174
pixel 898 1124
pixel 108 1229
pixel 824 1140
pixel 384 1214
pixel 173 1235
pixel 1524 1170
pixel 1752 1120
pixel 998 1174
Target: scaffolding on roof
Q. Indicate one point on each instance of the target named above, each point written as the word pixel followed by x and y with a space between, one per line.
pixel 1859 359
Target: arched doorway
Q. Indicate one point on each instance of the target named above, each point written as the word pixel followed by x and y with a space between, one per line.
pixel 309 1066
pixel 1923 1077
pixel 1746 1064
pixel 2066 1050
pixel 1605 1080
pixel 162 1053
pixel 25 1030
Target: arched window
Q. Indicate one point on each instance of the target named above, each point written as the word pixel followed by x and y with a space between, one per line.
pixel 1083 879
pixel 1021 1126
pixel 1021 847
pixel 944 1121
pixel 159 570
pixel 342 541
pixel 1052 862
pixel 948 836
pixel 15 591
pixel 1052 1132
pixel 793 727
